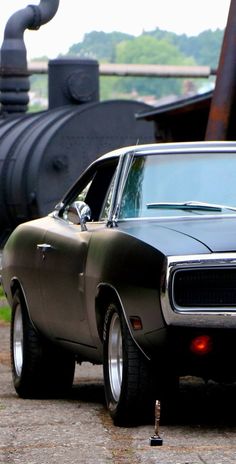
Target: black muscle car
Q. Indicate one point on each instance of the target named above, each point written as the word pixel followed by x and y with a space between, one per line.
pixel 135 269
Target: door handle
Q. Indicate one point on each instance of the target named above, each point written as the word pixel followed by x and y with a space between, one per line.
pixel 44 247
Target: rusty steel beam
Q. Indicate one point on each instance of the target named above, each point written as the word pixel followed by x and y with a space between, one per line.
pixel 225 88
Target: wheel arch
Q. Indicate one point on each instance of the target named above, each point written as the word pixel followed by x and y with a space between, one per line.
pixel 106 294
pixel 16 285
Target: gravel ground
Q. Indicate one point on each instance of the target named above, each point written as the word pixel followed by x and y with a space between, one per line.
pixel 78 429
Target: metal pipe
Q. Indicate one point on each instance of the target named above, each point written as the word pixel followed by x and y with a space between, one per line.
pixel 154 70
pixel 30 17
pixel 14 80
pixel 225 88
pixel 138 70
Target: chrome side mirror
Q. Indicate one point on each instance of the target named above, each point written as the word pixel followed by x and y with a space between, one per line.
pixel 79 213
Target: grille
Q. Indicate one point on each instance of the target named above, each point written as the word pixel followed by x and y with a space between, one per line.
pixel 211 287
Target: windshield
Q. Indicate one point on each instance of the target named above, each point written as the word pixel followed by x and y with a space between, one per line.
pixel 175 179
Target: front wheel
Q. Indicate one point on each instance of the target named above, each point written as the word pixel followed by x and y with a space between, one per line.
pixel 38 368
pixel 127 374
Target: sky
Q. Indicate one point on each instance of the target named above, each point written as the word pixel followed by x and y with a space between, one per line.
pixel 75 18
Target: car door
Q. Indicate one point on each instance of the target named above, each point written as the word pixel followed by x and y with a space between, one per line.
pixel 64 253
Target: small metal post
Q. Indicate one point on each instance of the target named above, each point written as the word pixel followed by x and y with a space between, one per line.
pixel 156 440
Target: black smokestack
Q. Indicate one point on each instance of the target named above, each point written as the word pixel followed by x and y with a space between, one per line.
pixel 14 76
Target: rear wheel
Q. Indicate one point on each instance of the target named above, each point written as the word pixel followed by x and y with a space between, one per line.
pixel 38 368
pixel 127 374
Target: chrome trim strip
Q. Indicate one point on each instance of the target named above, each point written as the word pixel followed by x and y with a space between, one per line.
pixel 188 217
pixel 195 316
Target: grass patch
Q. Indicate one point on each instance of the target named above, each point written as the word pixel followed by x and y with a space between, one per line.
pixel 1 292
pixel 5 311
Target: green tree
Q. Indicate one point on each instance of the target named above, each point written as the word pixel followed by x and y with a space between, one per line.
pixel 99 45
pixel 204 47
pixel 148 50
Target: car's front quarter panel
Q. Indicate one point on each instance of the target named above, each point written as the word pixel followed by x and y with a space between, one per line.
pixel 130 258
pixel 132 269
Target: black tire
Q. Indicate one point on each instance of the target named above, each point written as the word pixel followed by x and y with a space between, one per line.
pixel 127 374
pixel 38 368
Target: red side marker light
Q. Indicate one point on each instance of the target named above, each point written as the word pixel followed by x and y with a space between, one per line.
pixel 201 345
pixel 136 322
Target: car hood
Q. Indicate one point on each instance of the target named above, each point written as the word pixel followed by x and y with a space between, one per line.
pixel 186 236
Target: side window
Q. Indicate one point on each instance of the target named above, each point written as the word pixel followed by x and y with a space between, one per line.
pixel 95 190
pixel 82 195
pixel 107 202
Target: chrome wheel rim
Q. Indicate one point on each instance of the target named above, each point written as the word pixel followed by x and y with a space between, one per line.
pixel 115 357
pixel 18 340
